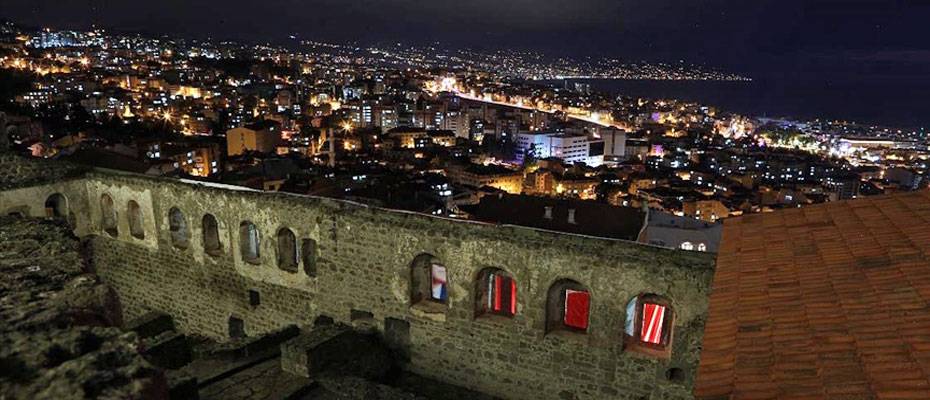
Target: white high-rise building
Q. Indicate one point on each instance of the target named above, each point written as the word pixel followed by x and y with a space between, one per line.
pixel 570 148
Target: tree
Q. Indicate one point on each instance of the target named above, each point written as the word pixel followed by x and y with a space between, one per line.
pixel 12 84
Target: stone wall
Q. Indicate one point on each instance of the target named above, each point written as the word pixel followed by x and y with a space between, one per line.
pixel 364 257
pixel 30 201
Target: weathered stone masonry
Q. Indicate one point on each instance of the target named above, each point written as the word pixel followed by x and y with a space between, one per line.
pixel 363 266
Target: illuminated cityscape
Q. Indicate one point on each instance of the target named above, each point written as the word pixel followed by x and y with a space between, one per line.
pixel 288 216
pixel 350 121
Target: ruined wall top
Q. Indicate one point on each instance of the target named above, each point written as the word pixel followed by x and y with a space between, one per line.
pixel 57 339
pixel 17 171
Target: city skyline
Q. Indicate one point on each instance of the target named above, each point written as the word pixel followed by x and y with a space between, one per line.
pixel 308 217
pixel 841 59
pixel 728 33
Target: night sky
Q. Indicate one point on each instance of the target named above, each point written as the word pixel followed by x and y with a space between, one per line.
pixel 738 34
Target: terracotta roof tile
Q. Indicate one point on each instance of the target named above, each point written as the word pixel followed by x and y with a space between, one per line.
pixel 824 302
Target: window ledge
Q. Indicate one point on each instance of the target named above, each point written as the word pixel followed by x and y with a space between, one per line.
pixel 635 346
pixel 569 335
pixel 291 269
pixel 494 319
pixel 429 310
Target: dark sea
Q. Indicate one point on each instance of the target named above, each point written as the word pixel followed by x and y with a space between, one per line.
pixel 902 103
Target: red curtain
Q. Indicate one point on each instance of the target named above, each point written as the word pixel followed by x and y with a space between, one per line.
pixel 513 297
pixel 503 297
pixel 653 322
pixel 576 308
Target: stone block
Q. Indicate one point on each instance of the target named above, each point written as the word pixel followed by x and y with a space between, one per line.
pixel 336 350
pixel 255 345
pixel 169 350
pixel 397 337
pixel 151 324
pixel 182 386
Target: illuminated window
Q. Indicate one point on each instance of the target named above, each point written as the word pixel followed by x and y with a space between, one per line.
pixel 439 287
pixel 567 307
pixel 429 282
pixel 495 293
pixel 687 246
pixel 108 217
pixel 136 226
pixel 702 247
pixel 249 243
pixel 649 325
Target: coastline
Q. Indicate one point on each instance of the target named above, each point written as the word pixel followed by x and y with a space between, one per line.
pixel 905 104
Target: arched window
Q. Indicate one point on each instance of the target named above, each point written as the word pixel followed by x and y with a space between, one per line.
pixel 56 206
pixel 702 247
pixel 687 246
pixel 429 282
pixel 495 293
pixel 308 254
pixel 136 227
pixel 287 250
pixel 568 305
pixel 249 242
pixel 108 218
pixel 648 327
pixel 211 236
pixel 177 226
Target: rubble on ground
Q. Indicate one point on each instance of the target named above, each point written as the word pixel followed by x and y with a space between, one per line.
pixel 57 337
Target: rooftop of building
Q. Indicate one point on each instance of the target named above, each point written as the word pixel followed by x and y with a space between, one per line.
pixel 490 169
pixel 564 215
pixel 97 157
pixel 407 129
pixel 825 301
pixel 664 219
pixel 439 133
pixel 264 125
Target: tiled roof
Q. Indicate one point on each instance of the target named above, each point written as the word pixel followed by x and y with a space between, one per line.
pixel 824 302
